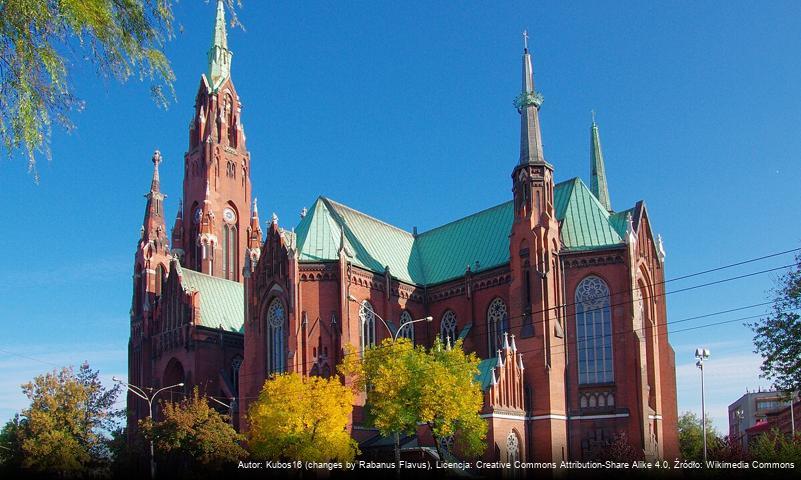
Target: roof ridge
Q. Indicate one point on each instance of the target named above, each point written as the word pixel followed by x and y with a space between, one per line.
pixel 465 217
pixel 358 212
pixel 185 269
pixel 594 199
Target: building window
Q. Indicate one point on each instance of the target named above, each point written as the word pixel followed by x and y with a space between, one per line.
pixel 497 325
pixel 594 332
pixel 230 246
pixel 159 279
pixel 512 448
pixel 447 327
pixel 276 337
pixel 367 321
pixel 406 331
pixel 236 364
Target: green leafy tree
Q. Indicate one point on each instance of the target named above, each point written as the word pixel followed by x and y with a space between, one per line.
pixel 774 446
pixel 63 430
pixel 777 338
pixel 193 437
pixel 41 41
pixel 451 399
pixel 302 418
pixel 11 454
pixel 691 436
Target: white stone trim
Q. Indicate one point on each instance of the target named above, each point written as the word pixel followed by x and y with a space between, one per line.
pixel 655 417
pixel 553 416
pixel 504 416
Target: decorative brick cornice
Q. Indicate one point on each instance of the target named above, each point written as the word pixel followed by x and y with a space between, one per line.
pixel 316 272
pixel 592 260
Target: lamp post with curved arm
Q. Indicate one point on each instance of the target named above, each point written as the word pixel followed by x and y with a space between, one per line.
pixel 140 392
pixel 394 339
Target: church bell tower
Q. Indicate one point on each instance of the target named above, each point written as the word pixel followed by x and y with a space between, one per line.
pixel 210 231
pixel 536 291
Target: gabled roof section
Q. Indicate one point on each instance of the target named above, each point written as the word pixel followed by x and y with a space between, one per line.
pixel 222 302
pixel 318 234
pixel 443 253
pixel 585 223
pixel 374 245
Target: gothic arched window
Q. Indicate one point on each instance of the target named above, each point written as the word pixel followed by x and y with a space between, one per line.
pixel 236 364
pixel 447 327
pixel 594 331
pixel 276 337
pixel 367 323
pixel 230 246
pixel 497 325
pixel 406 331
pixel 512 448
pixel 159 279
pixel 230 122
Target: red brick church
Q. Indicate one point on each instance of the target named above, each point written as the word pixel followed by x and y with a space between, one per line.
pixel 560 294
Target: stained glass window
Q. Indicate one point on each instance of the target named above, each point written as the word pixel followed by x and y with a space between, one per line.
pixel 594 331
pixel 276 337
pixel 447 328
pixel 497 325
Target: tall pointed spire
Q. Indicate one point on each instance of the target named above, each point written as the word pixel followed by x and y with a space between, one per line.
pixel 528 105
pixel 597 170
pixel 219 55
pixel 154 184
pixel 153 226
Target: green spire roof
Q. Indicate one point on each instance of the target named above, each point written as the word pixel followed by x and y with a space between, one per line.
pixel 480 240
pixel 219 55
pixel 597 170
pixel 528 105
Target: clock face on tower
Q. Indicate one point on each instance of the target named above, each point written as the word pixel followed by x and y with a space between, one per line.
pixel 229 215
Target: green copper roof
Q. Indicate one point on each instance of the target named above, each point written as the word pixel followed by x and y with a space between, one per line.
pixel 222 302
pixel 446 251
pixel 219 54
pixel 480 240
pixel 585 223
pixel 484 377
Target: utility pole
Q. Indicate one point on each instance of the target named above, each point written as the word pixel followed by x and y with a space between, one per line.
pixel 702 354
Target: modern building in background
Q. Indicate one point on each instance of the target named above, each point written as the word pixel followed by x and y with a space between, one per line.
pixel 750 410
pixel 560 294
pixel 759 412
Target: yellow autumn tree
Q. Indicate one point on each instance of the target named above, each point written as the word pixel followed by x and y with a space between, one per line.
pixel 302 418
pixel 409 385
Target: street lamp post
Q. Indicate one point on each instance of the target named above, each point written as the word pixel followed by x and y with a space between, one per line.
pixel 394 339
pixel 229 407
pixel 702 354
pixel 140 392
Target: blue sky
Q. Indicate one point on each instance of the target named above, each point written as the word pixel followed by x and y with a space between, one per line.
pixel 404 110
